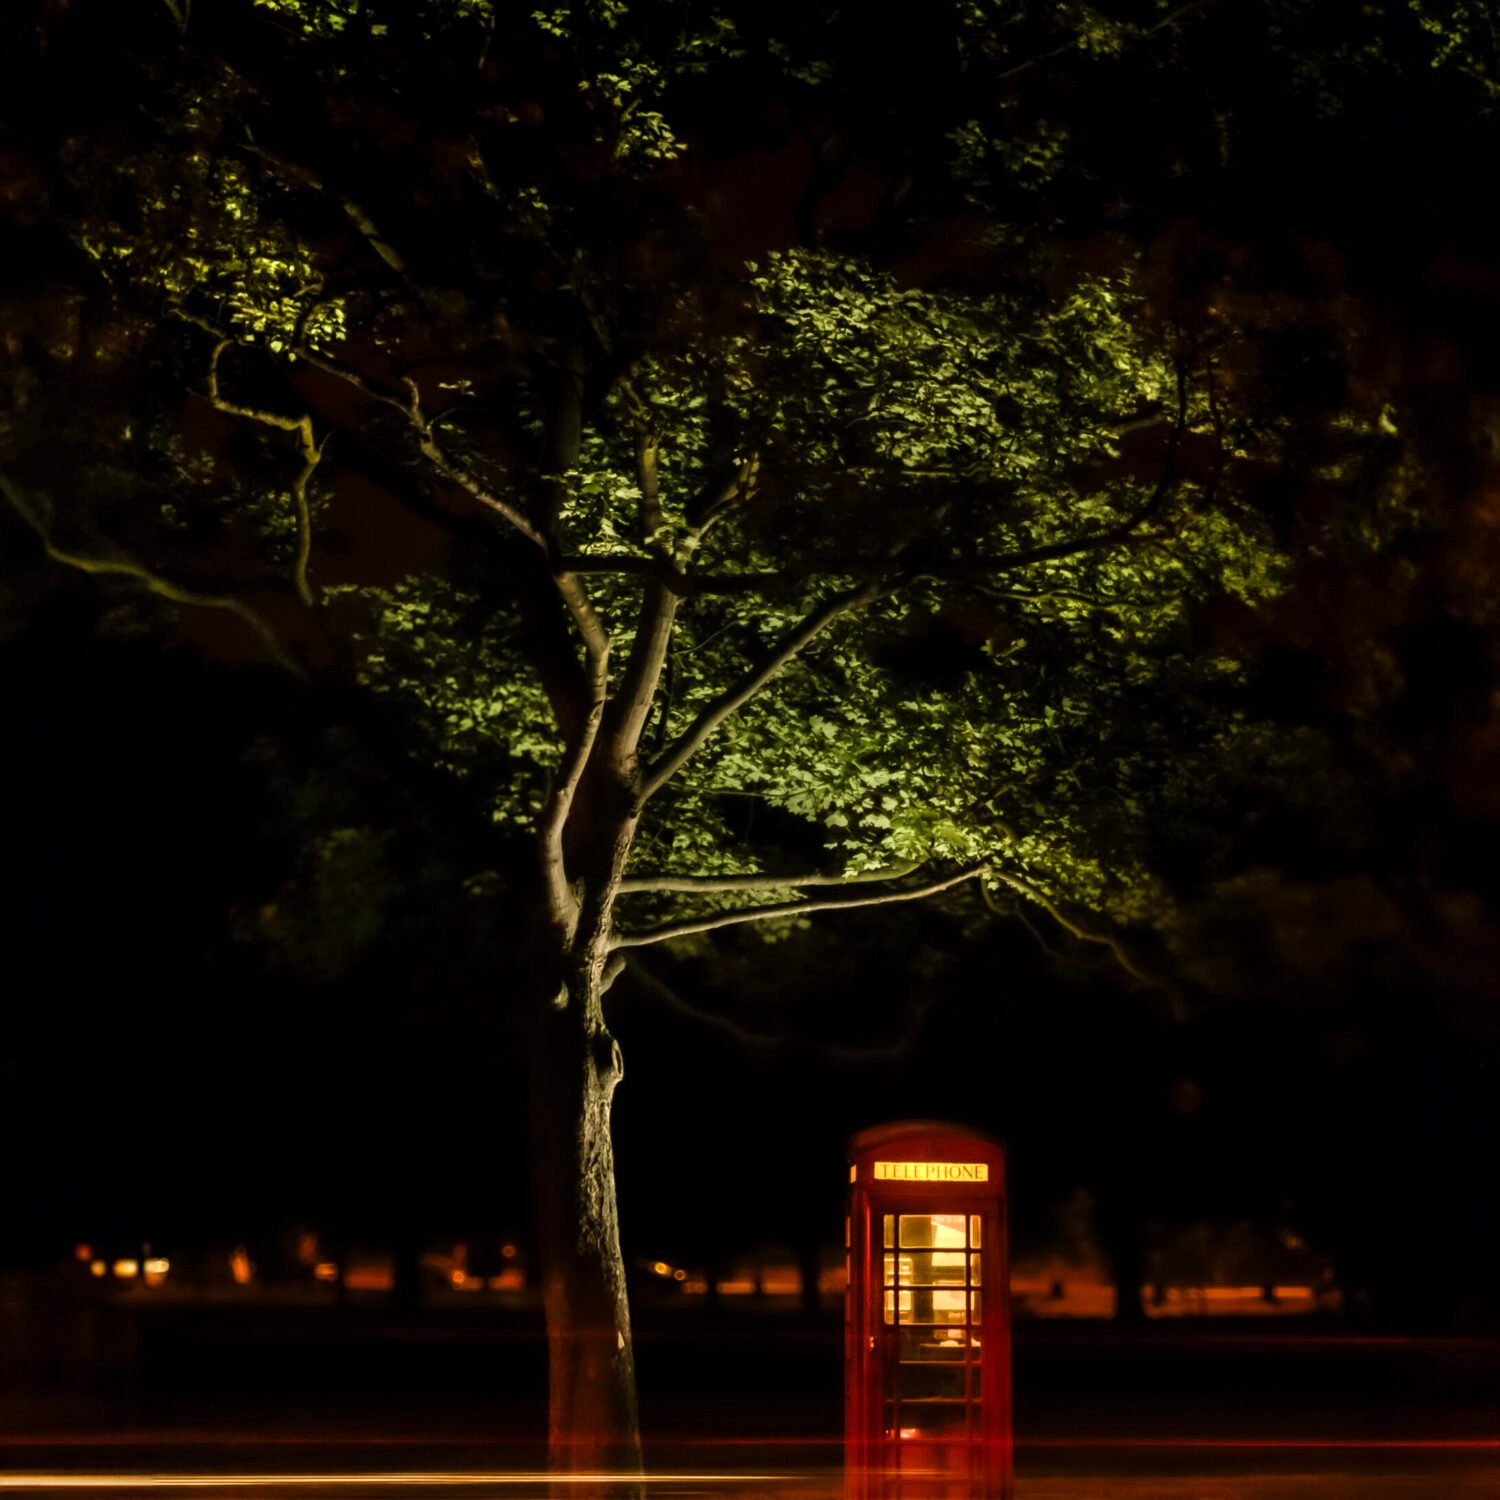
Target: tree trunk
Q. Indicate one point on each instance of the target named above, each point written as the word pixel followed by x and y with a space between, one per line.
pixel 593 1425
pixel 1121 1230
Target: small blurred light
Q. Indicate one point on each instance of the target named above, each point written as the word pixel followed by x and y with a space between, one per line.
pixel 508 1251
pixel 662 1268
pixel 326 1270
pixel 508 1281
pixel 156 1270
pixel 307 1249
pixel 369 1276
pixel 240 1267
pixel 83 1252
pixel 458 1278
pixel 679 1275
pixel 125 1269
pixel 98 1268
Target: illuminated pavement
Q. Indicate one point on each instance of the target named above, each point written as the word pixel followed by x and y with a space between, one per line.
pixel 1191 1470
pixel 1414 1484
pixel 1099 1417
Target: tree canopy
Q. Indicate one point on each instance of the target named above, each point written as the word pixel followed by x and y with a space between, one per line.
pixel 962 524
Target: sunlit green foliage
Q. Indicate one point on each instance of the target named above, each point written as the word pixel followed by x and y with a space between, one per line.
pixel 1052 474
pixel 1466 34
pixel 888 418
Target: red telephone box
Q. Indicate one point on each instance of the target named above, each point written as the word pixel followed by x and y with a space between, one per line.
pixel 927 1316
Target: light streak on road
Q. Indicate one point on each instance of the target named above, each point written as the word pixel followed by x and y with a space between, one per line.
pixel 414 1479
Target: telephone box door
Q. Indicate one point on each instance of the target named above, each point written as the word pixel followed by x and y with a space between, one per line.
pixel 928 1327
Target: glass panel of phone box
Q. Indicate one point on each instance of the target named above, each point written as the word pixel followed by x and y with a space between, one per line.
pixel 931 1296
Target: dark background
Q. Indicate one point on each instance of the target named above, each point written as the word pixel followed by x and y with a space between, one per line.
pixel 171 1076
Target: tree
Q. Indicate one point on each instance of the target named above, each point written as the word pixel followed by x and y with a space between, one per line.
pixel 759 580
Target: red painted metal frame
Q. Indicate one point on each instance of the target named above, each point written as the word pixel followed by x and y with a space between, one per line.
pixel 872 1458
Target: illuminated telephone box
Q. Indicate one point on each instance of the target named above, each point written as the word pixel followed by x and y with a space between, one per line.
pixel 927 1317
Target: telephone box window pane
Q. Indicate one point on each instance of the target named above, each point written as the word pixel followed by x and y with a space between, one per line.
pixel 929 1419
pixel 932 1231
pixel 928 1470
pixel 938 1345
pixel 930 1382
pixel 890 1231
pixel 973 1270
pixel 974 1230
pixel 923 1306
pixel 974 1303
pixel 890 1269
pixel 933 1268
pixel 899 1302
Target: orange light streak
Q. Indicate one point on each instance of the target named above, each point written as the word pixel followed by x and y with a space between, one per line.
pixel 285 1481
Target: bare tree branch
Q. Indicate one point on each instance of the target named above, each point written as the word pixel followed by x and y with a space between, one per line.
pixel 648 474
pixel 659 989
pixel 564 571
pixel 648 655
pixel 311 451
pixel 978 569
pixel 1076 930
pixel 894 1050
pixel 637 884
pixel 738 491
pixel 658 607
pixel 975 569
pixel 760 1041
pixel 671 930
pixel 452 468
pixel 124 567
pixel 554 819
pixel 306 177
pixel 574 595
pixel 1072 44
pixel 676 755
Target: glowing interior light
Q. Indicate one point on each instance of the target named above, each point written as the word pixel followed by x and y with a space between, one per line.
pixel 98 1268
pixel 662 1268
pixel 508 1251
pixel 125 1269
pixel 679 1275
pixel 326 1270
pixel 156 1270
pixel 240 1267
pixel 83 1252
